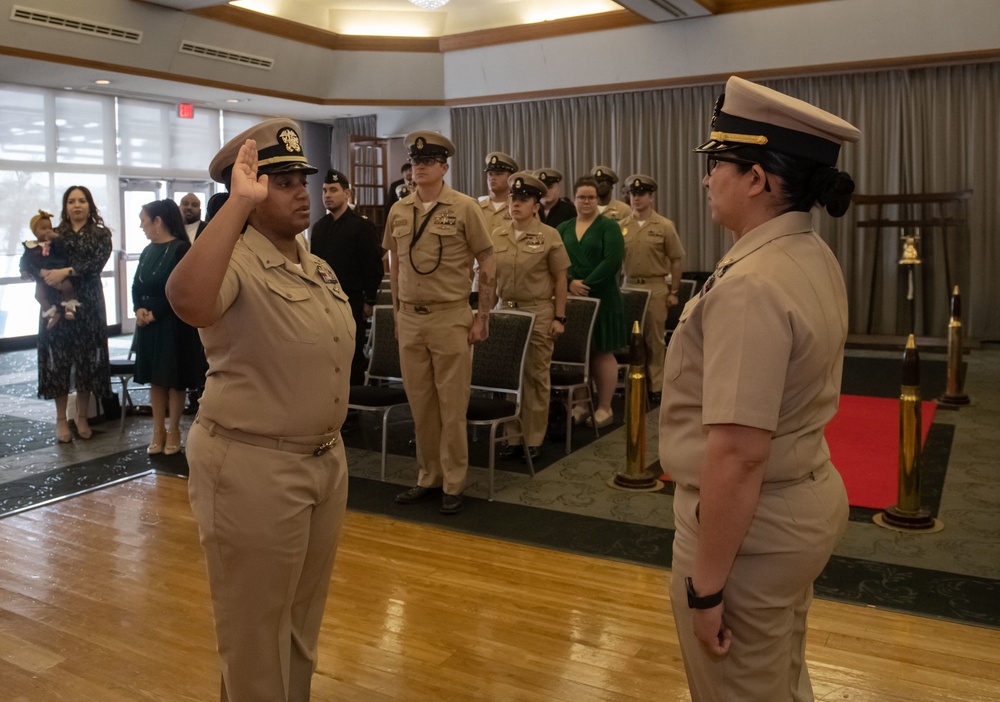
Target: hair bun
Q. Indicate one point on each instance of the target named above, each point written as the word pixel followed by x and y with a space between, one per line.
pixel 834 189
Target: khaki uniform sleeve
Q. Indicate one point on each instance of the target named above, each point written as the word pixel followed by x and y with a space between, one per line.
pixel 388 242
pixel 747 336
pixel 672 241
pixel 477 233
pixel 558 258
pixel 230 287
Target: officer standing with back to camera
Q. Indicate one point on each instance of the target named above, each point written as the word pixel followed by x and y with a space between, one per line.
pixel 653 251
pixel 350 244
pixel 607 204
pixel 553 209
pixel 430 236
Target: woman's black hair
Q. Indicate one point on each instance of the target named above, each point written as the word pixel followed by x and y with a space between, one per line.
pixel 215 204
pixel 93 218
pixel 805 183
pixel 170 214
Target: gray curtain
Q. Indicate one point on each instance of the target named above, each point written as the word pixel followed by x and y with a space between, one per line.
pixel 343 129
pixel 923 130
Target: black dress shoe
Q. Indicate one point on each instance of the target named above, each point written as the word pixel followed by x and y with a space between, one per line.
pixel 535 452
pixel 416 494
pixel 511 451
pixel 451 504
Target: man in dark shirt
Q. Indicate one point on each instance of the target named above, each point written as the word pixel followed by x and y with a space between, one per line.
pixel 554 209
pixel 392 193
pixel 350 244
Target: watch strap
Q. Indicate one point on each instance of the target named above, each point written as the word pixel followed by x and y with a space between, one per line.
pixel 706 602
pixel 561 320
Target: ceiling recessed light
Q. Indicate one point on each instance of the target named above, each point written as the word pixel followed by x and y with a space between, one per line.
pixel 232 100
pixel 102 81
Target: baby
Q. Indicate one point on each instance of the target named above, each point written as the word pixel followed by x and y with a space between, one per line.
pixel 48 251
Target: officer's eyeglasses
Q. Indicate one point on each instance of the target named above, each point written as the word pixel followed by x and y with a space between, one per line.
pixel 425 160
pixel 713 161
pixel 585 198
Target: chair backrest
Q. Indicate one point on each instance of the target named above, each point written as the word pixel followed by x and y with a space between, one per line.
pixel 634 304
pixel 498 362
pixel 684 294
pixel 573 347
pixel 384 362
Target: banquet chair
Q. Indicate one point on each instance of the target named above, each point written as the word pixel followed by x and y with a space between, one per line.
pixel 498 376
pixel 571 359
pixel 383 368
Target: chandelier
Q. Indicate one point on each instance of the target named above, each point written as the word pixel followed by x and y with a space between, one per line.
pixel 429 4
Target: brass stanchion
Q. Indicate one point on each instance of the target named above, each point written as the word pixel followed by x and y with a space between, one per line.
pixel 953 394
pixel 906 514
pixel 636 477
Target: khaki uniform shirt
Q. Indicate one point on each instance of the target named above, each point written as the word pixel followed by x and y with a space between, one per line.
pixel 525 267
pixel 618 211
pixel 279 355
pixel 763 347
pixel 494 218
pixel 455 230
pixel 650 248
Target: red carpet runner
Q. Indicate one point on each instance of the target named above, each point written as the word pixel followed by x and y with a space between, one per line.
pixel 864 446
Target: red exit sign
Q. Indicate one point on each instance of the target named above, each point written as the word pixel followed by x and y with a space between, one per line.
pixel 185 110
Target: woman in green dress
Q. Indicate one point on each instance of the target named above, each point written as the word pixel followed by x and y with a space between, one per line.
pixel 168 352
pixel 596 250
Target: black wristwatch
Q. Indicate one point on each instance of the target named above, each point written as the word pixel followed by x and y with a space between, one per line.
pixel 561 320
pixel 695 602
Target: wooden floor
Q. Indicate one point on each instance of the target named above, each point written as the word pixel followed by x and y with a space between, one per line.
pixel 103 597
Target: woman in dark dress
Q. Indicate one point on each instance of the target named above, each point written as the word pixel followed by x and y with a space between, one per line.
pixel 75 356
pixel 596 250
pixel 168 353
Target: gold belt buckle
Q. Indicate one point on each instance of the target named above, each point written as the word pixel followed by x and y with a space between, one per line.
pixel 421 309
pixel 323 448
pixel 640 281
pixel 511 304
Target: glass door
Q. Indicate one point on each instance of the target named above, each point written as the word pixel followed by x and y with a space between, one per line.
pixel 134 194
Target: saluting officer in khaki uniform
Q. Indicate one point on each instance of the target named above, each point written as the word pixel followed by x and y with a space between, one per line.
pixel 607 204
pixel 430 235
pixel 653 251
pixel 752 377
pixel 268 483
pixel 531 276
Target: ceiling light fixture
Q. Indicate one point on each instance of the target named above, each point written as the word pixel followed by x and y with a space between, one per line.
pixel 429 4
pixel 103 81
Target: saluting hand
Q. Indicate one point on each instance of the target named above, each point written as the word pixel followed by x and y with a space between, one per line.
pixel 245 184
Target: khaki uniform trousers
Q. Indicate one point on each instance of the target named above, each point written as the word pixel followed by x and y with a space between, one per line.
pixel 537 379
pixel 436 361
pixel 768 592
pixel 654 327
pixel 269 523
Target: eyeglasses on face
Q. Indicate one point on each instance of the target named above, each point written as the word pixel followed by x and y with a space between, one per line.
pixel 425 160
pixel 713 161
pixel 585 198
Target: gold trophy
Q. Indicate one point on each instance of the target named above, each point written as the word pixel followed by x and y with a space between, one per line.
pixel 953 394
pixel 906 514
pixel 636 477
